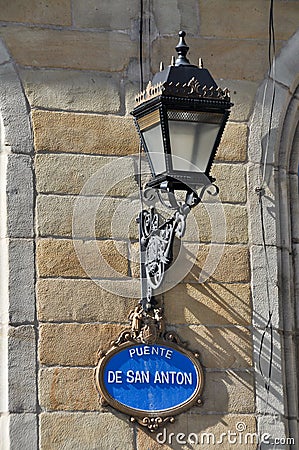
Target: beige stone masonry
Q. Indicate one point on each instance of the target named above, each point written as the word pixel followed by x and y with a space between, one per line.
pixel 236 224
pixel 55 215
pixel 58 258
pixel 199 429
pixel 80 300
pixel 219 347
pixel 37 47
pixel 233 145
pixel 242 94
pixel 231 180
pixel 73 90
pixel 68 389
pixel 70 431
pixel 208 304
pixel 55 12
pixel 234 392
pixel 105 14
pixel 82 169
pixel 231 18
pixel 73 344
pixel 84 133
pixel 224 58
pixel 233 265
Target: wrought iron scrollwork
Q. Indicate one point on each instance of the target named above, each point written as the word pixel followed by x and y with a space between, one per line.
pixel 157 235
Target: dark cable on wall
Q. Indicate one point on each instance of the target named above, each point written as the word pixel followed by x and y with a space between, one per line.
pixel 141 81
pixel 141 45
pixel 268 329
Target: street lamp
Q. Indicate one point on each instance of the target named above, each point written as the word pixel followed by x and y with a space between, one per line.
pixel 149 373
pixel 180 118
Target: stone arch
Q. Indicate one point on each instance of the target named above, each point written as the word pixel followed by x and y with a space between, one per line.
pixel 273 204
pixel 18 342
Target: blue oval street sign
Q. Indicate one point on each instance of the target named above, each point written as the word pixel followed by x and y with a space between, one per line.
pixel 150 378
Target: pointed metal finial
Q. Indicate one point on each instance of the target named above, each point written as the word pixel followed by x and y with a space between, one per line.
pixel 182 49
pixel 161 66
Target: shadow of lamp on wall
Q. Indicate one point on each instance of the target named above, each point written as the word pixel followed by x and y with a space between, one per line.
pixel 148 373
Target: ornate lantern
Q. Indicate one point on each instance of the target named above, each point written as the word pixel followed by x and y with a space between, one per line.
pixel 180 118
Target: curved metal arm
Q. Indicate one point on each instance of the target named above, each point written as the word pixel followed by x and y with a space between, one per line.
pixel 156 238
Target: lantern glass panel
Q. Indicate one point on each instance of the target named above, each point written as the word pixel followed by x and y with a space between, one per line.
pixel 150 128
pixel 192 138
pixel 154 146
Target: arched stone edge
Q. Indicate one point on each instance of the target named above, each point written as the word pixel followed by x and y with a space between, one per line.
pixel 18 343
pixel 267 161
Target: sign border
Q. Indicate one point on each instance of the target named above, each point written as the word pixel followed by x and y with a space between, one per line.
pixel 151 420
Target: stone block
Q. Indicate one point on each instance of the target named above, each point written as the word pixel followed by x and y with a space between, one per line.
pixel 71 90
pixel 268 362
pixel 275 427
pixel 84 430
pixel 4 55
pixel 219 347
pixel 235 223
pixel 67 258
pixel 286 64
pixel 21 281
pixel 265 290
pixel 23 431
pixel 232 22
pixel 68 389
pixel 84 133
pixel 259 139
pixel 208 304
pixel 73 344
pixel 16 132
pixel 4 429
pixel 93 175
pixel 233 264
pixel 94 217
pixel 195 263
pixel 233 145
pixel 36 47
pixel 245 59
pixel 231 180
pixel 105 15
pixel 175 15
pixel 132 88
pixel 22 369
pixel 205 432
pixel 263 207
pixel 57 12
pixel 235 393
pixel 19 196
pixel 242 95
pixel 80 301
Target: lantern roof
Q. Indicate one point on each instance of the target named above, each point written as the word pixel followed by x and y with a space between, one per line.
pixel 182 79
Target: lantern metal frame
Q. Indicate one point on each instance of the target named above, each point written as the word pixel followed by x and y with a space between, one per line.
pixel 180 88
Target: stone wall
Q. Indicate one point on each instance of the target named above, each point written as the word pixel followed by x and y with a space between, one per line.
pixel 78 69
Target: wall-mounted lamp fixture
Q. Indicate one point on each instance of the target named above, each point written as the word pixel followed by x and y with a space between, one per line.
pixel 148 373
pixel 180 118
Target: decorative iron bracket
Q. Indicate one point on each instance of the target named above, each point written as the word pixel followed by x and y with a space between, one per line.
pixel 157 235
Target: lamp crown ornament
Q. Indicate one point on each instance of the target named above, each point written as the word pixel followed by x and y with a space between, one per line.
pixel 182 50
